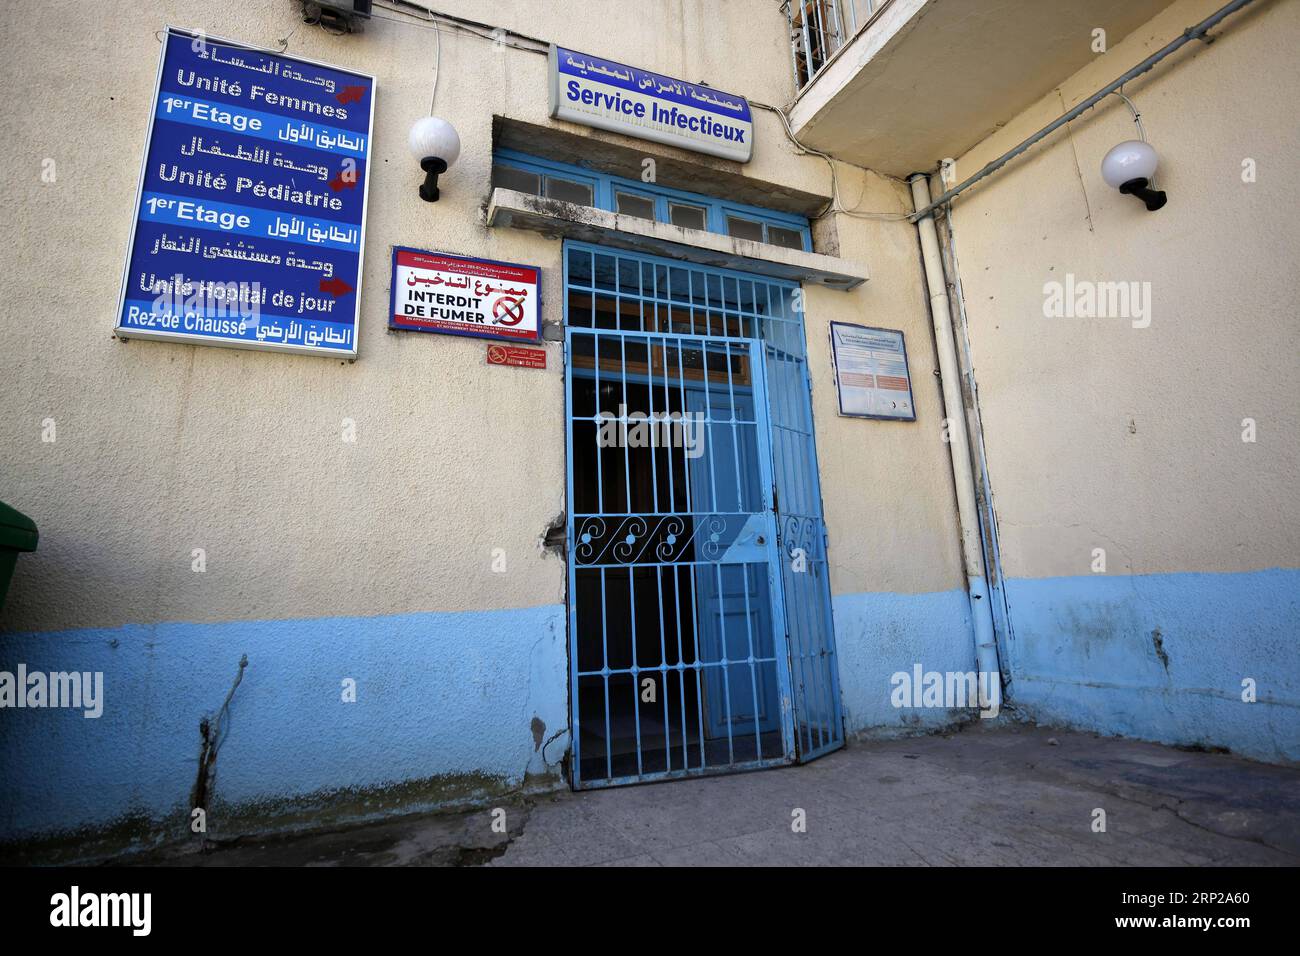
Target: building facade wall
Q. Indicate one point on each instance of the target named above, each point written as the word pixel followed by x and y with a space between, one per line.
pixel 1111 433
pixel 371 560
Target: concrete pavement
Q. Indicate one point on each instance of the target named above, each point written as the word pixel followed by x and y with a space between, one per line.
pixel 1002 794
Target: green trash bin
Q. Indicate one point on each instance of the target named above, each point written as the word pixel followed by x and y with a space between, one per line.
pixel 17 534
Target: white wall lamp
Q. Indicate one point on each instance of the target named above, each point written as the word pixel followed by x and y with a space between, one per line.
pixel 436 144
pixel 1130 167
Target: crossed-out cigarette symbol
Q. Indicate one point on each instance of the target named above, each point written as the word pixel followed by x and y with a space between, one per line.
pixel 507 310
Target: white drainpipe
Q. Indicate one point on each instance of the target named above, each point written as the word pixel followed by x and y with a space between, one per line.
pixel 981 610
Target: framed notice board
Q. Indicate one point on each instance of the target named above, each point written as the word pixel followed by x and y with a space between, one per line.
pixel 871 375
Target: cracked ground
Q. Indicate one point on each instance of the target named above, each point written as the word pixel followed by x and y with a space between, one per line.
pixel 991 794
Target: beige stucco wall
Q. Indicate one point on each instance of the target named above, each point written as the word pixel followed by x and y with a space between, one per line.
pixel 886 486
pixel 165 448
pixel 1102 435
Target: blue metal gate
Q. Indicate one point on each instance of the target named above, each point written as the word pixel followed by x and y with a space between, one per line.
pixel 700 636
pixel 805 572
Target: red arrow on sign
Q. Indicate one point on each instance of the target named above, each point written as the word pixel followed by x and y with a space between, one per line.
pixel 335 287
pixel 351 94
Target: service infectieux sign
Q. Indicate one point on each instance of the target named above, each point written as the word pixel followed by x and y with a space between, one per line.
pixel 433 292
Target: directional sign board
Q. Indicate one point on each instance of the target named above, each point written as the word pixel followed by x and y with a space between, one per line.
pixel 251 205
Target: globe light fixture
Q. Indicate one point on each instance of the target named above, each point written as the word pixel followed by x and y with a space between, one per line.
pixel 1130 167
pixel 436 145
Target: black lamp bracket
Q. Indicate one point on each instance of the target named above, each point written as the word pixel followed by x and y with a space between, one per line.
pixel 433 167
pixel 1154 198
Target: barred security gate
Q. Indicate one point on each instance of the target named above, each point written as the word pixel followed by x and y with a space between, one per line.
pixel 805 574
pixel 700 636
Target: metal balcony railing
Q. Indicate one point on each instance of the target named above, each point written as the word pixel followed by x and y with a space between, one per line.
pixel 818 28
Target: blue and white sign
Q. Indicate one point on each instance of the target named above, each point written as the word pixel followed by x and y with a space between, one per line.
pixel 622 99
pixel 251 205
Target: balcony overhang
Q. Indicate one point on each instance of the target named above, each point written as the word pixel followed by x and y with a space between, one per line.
pixel 925 80
pixel 556 219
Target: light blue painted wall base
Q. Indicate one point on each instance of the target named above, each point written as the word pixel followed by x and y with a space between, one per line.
pixel 1087 652
pixel 879 634
pixel 442 694
pixel 437 694
pixel 1162 657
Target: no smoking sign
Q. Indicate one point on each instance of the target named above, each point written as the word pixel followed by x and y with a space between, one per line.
pixel 433 292
pixel 514 355
pixel 507 311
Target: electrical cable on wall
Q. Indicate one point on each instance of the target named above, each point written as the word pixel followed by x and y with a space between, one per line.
pixel 1197 32
pixel 1137 117
pixel 437 59
pixel 1137 121
pixel 835 204
pixel 437 67
pixel 283 41
pixel 499 35
pixel 437 47
pixel 434 18
pixel 320 21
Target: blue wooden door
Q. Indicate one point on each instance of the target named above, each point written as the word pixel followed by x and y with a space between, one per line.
pixel 735 622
